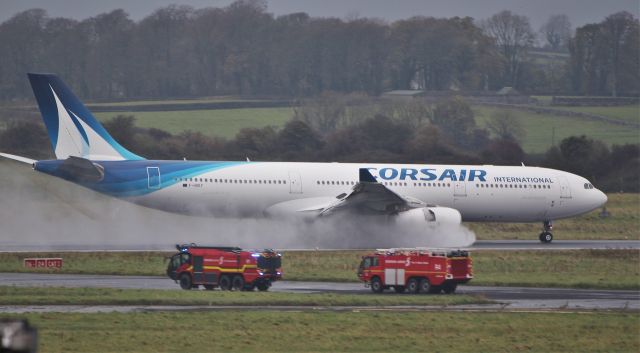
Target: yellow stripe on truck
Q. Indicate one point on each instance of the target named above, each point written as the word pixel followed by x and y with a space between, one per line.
pixel 233 270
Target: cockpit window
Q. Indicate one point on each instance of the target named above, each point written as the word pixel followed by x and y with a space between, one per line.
pixel 588 186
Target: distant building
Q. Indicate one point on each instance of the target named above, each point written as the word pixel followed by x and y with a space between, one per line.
pixel 508 91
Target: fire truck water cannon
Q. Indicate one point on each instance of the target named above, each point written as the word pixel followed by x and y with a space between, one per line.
pixel 229 268
pixel 416 270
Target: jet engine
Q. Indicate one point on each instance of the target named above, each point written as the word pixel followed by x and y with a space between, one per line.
pixel 434 216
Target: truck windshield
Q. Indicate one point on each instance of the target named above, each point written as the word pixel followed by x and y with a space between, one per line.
pixel 269 263
pixel 179 259
pixel 366 262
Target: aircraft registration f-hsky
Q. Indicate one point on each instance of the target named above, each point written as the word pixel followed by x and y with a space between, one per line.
pixel 429 194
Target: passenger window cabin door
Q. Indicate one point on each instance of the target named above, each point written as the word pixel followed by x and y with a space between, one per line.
pixel 295 183
pixel 565 190
pixel 460 189
pixel 153 177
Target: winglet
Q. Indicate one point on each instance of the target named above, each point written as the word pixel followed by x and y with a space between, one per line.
pixel 366 177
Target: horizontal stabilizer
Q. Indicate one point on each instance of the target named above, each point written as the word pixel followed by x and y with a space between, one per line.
pixel 80 170
pixel 18 158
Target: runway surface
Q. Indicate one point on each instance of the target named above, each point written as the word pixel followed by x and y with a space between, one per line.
pixel 510 298
pixel 479 245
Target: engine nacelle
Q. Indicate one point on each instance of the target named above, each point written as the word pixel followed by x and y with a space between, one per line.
pixel 435 216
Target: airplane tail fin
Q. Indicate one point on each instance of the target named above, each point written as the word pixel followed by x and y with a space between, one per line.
pixel 72 129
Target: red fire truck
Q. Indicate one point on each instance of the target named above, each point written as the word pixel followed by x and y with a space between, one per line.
pixel 229 268
pixel 416 270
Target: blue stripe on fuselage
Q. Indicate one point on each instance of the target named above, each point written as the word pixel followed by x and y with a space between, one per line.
pixel 129 178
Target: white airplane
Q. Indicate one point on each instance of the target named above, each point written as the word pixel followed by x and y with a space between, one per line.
pixel 430 194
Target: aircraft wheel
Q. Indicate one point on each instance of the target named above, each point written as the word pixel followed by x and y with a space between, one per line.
pixel 546 237
pixel 225 282
pixel 376 285
pixel 185 281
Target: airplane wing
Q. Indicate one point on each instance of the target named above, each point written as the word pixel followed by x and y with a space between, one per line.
pixel 18 158
pixel 371 197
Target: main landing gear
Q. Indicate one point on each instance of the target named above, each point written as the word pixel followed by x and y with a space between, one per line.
pixel 546 236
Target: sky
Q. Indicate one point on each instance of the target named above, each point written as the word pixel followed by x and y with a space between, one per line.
pixel 580 12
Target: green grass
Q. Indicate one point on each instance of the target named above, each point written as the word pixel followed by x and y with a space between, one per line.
pixel 623 223
pixel 217 122
pixel 607 269
pixel 10 295
pixel 269 331
pixel 216 99
pixel 539 129
pixel 629 113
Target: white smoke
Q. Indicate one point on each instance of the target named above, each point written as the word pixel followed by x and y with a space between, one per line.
pixel 40 212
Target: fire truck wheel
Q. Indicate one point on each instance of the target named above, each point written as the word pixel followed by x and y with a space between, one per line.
pixel 376 285
pixel 185 281
pixel 237 283
pixel 263 287
pixel 225 282
pixel 449 288
pixel 424 286
pixel 412 286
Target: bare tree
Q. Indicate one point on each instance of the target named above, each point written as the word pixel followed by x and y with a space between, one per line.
pixel 619 30
pixel 505 126
pixel 557 31
pixel 513 36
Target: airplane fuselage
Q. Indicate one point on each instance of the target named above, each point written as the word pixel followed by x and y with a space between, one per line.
pixel 479 193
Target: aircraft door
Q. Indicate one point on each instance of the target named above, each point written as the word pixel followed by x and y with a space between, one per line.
pixel 460 188
pixel 153 177
pixel 295 183
pixel 565 190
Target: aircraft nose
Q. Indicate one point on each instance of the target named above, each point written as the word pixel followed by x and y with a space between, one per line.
pixel 600 198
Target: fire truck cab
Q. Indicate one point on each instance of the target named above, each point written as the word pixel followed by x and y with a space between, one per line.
pixel 416 270
pixel 229 268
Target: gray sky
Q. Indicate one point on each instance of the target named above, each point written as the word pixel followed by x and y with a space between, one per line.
pixel 579 11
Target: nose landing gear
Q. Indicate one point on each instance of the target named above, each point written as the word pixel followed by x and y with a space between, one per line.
pixel 546 236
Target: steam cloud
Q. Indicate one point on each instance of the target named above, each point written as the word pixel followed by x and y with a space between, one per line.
pixel 40 212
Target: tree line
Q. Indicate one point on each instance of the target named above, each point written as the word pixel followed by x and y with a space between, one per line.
pixel 357 130
pixel 241 49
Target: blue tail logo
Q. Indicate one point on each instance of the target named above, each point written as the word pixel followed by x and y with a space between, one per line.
pixel 72 129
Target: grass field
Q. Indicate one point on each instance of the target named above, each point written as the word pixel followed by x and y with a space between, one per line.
pixel 216 99
pixel 623 223
pixel 612 269
pixel 107 296
pixel 227 122
pixel 629 113
pixel 540 129
pixel 218 122
pixel 269 331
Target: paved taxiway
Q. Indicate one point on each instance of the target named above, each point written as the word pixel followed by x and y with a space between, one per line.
pixel 479 245
pixel 513 298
